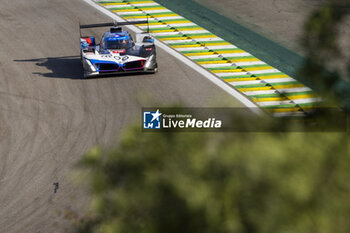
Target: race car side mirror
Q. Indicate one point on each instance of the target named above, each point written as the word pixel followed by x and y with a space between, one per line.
pixel 148 39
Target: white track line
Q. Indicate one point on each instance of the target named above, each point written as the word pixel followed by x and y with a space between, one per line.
pixel 219 65
pixel 276 91
pixel 216 39
pixel 295 89
pixel 272 103
pixel 234 64
pixel 206 47
pixel 246 82
pixel 221 55
pixel 127 5
pixel 264 71
pixel 211 77
pixel 180 32
pixel 262 92
pixel 309 100
pixel 141 12
pixel 296 101
pixel 149 18
pixel 277 80
pixel 169 25
pixel 231 74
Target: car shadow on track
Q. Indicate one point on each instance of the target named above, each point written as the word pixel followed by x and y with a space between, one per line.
pixel 66 67
pixel 59 67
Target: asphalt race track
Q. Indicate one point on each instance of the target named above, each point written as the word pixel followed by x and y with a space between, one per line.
pixel 49 115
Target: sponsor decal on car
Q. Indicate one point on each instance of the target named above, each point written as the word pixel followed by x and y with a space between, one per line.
pixel 119 51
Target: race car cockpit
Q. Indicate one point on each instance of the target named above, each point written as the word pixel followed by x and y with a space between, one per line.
pixel 120 40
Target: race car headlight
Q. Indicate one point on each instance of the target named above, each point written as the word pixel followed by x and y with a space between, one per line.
pixel 149 61
pixel 90 65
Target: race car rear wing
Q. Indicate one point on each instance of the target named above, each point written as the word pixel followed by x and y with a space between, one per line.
pixel 115 24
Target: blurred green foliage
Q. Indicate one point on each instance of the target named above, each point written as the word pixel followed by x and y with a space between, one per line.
pixel 322 69
pixel 223 183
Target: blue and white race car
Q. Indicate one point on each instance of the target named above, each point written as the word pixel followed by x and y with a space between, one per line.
pixel 117 51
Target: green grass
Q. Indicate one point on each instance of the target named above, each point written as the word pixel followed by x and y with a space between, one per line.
pixel 244 38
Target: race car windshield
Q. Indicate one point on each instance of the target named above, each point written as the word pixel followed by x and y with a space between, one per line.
pixel 117 44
